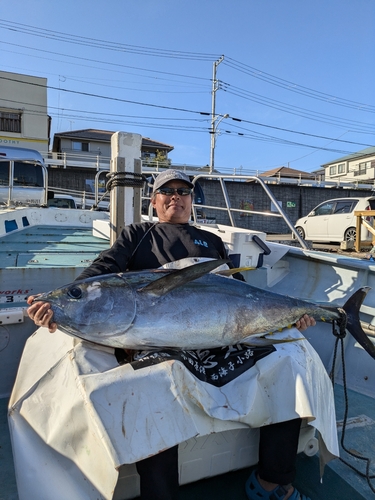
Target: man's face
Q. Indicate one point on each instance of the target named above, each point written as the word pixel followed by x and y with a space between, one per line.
pixel 175 209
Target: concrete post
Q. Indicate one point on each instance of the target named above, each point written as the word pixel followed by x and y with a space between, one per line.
pixel 126 149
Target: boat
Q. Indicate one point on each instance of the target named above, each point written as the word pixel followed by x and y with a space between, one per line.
pixel 214 463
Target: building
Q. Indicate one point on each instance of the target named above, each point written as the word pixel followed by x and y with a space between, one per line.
pixel 24 121
pixel 92 143
pixel 78 155
pixel 286 172
pixel 357 167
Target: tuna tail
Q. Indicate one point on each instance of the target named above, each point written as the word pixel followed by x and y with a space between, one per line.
pixel 353 325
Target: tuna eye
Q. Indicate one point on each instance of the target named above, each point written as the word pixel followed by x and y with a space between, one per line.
pixel 75 292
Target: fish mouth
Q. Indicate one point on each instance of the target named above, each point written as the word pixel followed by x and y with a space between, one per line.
pixel 40 299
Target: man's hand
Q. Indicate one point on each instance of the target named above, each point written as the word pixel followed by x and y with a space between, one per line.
pixel 306 321
pixel 41 313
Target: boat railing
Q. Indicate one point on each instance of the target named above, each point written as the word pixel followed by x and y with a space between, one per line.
pixel 84 199
pixel 223 180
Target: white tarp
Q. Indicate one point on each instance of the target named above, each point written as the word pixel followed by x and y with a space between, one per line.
pixel 76 415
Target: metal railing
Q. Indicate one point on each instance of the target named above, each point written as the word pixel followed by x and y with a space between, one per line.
pixel 223 179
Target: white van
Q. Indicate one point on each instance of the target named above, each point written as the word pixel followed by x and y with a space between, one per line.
pixel 61 201
pixel 23 177
pixel 334 220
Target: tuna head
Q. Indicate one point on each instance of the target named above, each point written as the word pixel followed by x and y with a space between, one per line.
pixel 93 305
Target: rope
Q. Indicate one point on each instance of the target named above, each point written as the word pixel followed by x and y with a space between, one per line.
pixel 121 179
pixel 340 338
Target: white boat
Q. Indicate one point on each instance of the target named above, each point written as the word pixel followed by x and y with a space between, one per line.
pixel 68 466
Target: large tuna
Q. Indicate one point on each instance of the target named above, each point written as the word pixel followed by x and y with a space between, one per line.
pixel 186 309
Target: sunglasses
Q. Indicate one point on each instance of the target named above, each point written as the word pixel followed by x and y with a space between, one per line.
pixel 168 191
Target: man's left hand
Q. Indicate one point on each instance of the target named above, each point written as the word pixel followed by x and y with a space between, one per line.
pixel 306 321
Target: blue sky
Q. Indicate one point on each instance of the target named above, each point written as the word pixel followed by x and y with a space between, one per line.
pixel 298 74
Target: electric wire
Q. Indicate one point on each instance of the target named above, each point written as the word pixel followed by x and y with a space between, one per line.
pixel 236 91
pixel 103 44
pixel 358 126
pixel 293 87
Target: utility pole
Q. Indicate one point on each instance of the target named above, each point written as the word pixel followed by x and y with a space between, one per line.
pixel 215 87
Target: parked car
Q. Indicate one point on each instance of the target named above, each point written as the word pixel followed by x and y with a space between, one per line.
pixel 61 201
pixel 334 220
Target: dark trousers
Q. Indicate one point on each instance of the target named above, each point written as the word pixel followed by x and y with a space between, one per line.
pixel 159 476
pixel 278 446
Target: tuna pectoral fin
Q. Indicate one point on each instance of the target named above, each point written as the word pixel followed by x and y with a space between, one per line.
pixel 351 307
pixel 235 270
pixel 177 278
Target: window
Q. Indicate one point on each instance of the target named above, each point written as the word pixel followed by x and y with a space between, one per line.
pixel 324 209
pixel 27 174
pixel 362 168
pixel 4 173
pixel 24 174
pixel 341 168
pixel 343 207
pixel 10 122
pixel 80 146
pixel 332 170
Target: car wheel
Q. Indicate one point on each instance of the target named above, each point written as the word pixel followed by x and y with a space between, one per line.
pixel 350 234
pixel 301 232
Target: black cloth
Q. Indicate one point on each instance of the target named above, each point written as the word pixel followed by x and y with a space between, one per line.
pixel 148 246
pixel 217 366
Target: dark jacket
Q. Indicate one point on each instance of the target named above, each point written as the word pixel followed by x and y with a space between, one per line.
pixel 150 245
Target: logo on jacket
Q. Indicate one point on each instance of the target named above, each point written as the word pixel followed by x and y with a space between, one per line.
pixel 201 243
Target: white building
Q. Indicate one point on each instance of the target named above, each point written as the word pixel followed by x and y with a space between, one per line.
pixel 356 167
pixel 24 121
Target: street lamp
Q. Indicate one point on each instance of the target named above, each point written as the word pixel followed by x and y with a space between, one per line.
pixel 213 133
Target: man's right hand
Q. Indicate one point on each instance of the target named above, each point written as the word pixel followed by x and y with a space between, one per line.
pixel 41 313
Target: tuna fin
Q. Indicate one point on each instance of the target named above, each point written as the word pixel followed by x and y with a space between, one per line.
pixel 265 341
pixel 179 277
pixel 351 308
pixel 230 272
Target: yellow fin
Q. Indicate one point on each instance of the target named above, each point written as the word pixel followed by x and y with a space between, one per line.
pixel 230 272
pixel 264 341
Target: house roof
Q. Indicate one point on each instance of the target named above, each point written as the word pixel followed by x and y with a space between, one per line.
pixel 364 152
pixel 286 172
pixel 90 134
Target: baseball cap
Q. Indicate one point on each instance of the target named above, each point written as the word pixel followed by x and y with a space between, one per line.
pixel 171 175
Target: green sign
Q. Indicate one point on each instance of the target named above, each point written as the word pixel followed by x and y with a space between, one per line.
pixel 291 204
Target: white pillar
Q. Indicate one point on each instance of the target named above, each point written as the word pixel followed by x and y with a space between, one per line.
pixel 125 154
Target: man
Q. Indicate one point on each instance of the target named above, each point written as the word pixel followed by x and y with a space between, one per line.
pixel 150 245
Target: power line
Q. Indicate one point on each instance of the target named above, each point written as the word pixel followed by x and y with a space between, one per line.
pixel 298 111
pixel 117 65
pixel 293 87
pixel 300 133
pixel 356 126
pixel 228 61
pixel 245 94
pixel 103 44
pixel 88 94
pixel 170 127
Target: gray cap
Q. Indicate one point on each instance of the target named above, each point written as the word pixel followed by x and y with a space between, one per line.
pixel 171 175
